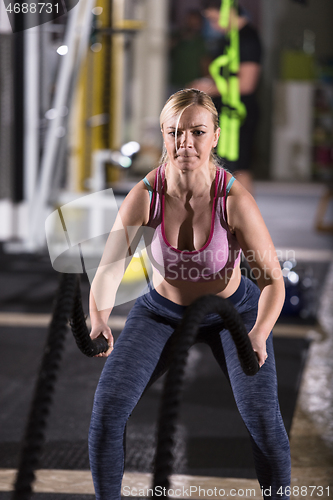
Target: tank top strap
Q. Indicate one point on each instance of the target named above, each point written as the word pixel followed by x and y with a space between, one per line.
pixel 155 194
pixel 220 198
pixel 226 190
pixel 230 183
pixel 149 187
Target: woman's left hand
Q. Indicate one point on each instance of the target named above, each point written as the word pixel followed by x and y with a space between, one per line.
pixel 258 342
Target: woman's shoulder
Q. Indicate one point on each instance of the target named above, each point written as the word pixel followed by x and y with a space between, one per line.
pixel 135 207
pixel 237 192
pixel 225 178
pixel 240 204
pixel 151 176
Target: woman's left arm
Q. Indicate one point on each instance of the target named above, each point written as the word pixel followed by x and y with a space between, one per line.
pixel 246 222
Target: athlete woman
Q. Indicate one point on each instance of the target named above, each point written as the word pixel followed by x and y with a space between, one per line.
pixel 200 219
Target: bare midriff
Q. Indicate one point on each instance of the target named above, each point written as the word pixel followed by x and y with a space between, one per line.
pixel 185 292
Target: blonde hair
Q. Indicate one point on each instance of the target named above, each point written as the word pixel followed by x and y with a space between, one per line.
pixel 176 105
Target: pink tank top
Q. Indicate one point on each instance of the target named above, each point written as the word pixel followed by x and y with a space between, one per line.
pixel 220 253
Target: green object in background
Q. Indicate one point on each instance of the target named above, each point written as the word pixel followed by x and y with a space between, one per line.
pixel 297 65
pixel 233 111
pixel 225 13
pixel 214 69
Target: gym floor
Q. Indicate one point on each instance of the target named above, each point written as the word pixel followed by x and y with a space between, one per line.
pixel 212 446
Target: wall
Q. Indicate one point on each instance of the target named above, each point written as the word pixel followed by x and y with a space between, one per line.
pixel 282 26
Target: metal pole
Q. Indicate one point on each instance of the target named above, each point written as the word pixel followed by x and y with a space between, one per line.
pixel 74 32
pixel 31 114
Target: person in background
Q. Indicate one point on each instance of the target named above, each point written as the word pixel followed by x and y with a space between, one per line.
pixel 249 74
pixel 188 54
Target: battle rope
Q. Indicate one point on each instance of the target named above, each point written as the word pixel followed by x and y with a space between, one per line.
pixel 35 430
pixel 185 336
pixel 80 331
pixel 67 304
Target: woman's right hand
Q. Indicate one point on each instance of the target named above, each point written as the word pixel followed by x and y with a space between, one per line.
pixel 102 329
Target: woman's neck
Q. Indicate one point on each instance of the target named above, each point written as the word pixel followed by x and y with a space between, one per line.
pixel 182 183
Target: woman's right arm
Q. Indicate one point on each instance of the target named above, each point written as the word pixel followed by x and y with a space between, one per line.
pixel 119 248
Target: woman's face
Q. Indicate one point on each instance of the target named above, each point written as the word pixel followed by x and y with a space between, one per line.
pixel 195 138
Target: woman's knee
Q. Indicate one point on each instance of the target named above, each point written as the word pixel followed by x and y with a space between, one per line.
pixel 108 420
pixel 113 403
pixel 264 422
